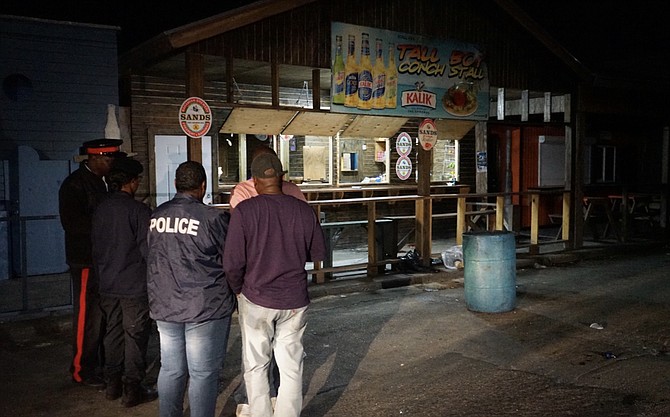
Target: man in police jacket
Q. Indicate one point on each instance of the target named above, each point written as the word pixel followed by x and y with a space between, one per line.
pixel 189 296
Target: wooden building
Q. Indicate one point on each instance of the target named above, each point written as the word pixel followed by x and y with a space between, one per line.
pixel 265 72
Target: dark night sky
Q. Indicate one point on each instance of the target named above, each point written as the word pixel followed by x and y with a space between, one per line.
pixel 139 20
pixel 609 35
pixel 606 35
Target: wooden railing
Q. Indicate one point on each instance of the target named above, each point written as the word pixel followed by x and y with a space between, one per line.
pixel 469 209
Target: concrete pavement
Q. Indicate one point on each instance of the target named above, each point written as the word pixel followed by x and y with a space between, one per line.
pixel 405 344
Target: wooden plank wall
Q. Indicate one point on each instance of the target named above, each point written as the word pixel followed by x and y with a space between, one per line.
pixel 302 37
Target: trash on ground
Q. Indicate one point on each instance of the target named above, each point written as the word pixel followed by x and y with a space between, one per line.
pixel 596 326
pixel 452 258
pixel 411 262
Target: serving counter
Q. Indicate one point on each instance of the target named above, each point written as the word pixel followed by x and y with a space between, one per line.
pixel 374 190
pixel 313 192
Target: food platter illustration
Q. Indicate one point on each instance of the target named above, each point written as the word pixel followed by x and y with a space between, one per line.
pixel 460 100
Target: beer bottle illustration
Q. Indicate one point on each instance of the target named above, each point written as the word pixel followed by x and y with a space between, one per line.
pixel 391 80
pixel 338 73
pixel 379 79
pixel 351 75
pixel 365 75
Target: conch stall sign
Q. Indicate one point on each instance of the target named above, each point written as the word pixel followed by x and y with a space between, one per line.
pixel 407 75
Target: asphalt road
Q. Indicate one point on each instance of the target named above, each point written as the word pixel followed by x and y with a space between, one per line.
pixel 586 339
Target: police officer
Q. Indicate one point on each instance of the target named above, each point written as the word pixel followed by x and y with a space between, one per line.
pixel 189 296
pixel 120 225
pixel 79 195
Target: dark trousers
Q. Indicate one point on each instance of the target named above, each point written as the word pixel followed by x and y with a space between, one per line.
pixel 126 338
pixel 88 324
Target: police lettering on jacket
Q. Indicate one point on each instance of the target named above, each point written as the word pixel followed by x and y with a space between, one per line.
pixel 183 226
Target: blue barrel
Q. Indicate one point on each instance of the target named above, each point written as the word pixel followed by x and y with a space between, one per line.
pixel 489 260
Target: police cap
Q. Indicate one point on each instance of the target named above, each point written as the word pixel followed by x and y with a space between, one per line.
pixel 109 147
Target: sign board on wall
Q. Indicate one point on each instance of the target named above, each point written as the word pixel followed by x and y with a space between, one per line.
pixel 403 144
pixel 403 167
pixel 195 117
pixel 383 72
pixel 427 134
pixel 482 162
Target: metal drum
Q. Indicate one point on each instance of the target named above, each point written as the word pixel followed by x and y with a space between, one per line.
pixel 489 271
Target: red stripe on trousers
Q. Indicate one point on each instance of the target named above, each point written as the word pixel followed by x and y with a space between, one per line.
pixel 81 321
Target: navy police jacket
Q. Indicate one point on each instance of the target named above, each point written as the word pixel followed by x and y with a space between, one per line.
pixel 185 278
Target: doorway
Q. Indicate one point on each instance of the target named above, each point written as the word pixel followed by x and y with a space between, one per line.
pixel 169 152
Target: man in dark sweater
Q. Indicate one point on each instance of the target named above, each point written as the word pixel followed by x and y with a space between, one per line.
pixel 119 236
pixel 270 238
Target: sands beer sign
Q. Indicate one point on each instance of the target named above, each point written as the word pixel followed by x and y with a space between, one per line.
pixel 195 117
pixel 382 72
pixel 427 134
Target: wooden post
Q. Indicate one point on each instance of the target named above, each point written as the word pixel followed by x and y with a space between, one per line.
pixel 570 176
pixel 320 277
pixel 547 107
pixel 500 212
pixel 565 225
pixel 461 208
pixel 500 104
pixel 195 87
pixel 274 73
pixel 481 145
pixel 534 223
pixel 316 89
pixel 578 148
pixel 372 245
pixel 424 211
pixel 230 79
pixel 524 105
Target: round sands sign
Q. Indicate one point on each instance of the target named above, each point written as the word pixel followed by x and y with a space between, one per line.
pixel 403 144
pixel 195 117
pixel 427 134
pixel 403 167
